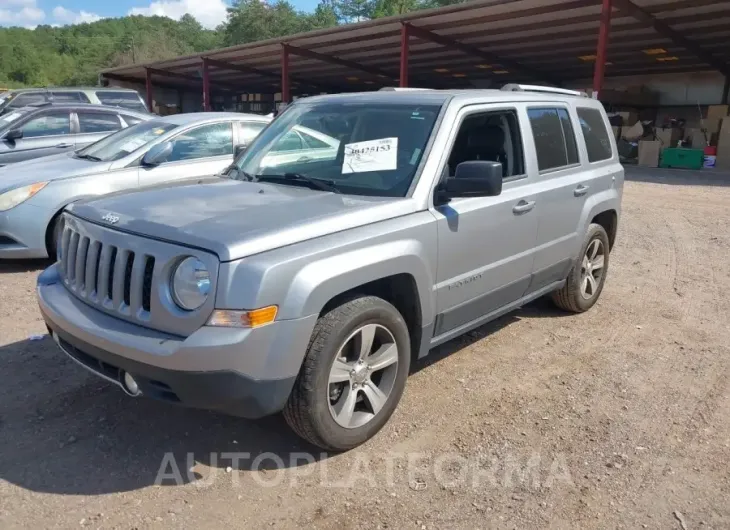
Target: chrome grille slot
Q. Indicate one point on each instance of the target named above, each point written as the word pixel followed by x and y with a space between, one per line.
pixel 126 276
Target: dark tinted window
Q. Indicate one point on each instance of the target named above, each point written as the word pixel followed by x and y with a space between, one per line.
pixel 69 97
pixel 49 124
pixel 547 129
pixel 127 100
pixel 205 141
pixel 569 135
pixel 598 143
pixel 23 100
pixel 97 122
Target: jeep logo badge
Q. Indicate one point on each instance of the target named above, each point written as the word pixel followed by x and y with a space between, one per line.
pixel 109 218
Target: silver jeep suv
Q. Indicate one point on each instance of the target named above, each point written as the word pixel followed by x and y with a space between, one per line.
pixel 310 276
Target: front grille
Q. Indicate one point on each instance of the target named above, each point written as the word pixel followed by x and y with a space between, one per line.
pixel 116 278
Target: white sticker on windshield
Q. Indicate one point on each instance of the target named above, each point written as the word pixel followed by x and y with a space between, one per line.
pixel 373 155
pixel 133 144
pixel 11 117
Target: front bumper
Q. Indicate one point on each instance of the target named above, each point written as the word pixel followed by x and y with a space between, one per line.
pixel 242 372
pixel 23 233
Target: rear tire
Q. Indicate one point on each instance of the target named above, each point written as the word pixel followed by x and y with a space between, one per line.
pixel 587 277
pixel 357 361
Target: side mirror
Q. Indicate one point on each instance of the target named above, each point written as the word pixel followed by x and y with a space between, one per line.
pixel 157 154
pixel 13 134
pixel 238 150
pixel 474 178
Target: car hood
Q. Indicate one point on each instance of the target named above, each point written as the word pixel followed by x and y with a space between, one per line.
pixel 54 167
pixel 235 219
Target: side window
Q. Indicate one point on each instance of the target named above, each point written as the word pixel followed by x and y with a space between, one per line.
pixel 492 136
pixel 130 120
pixel 248 130
pixel 569 135
pixel 98 122
pixel 127 100
pixel 595 133
pixel 67 96
pixel 24 100
pixel 49 124
pixel 202 142
pixel 312 142
pixel 553 144
pixel 291 141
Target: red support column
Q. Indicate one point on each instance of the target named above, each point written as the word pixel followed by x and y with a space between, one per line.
pixel 206 86
pixel 148 88
pixel 404 40
pixel 285 94
pixel 603 33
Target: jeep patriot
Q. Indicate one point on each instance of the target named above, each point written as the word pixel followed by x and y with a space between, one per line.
pixel 310 275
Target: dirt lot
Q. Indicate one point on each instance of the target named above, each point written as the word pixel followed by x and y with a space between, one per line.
pixel 617 418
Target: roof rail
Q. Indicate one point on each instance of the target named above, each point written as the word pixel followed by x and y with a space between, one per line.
pixel 512 87
pixel 400 89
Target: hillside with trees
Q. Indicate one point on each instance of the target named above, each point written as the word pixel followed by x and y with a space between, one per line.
pixel 74 54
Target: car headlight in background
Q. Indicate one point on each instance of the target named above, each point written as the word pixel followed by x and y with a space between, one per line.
pixel 190 284
pixel 10 199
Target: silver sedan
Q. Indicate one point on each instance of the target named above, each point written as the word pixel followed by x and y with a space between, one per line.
pixel 34 193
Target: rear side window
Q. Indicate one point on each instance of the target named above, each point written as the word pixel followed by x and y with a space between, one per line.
pixel 67 96
pixel 24 100
pixel 248 130
pixel 127 100
pixel 554 138
pixel 595 133
pixel 131 120
pixel 98 122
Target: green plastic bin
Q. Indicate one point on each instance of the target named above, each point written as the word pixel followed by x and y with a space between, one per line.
pixel 682 158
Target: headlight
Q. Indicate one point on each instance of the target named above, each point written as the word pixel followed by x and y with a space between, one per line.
pixel 12 198
pixel 190 284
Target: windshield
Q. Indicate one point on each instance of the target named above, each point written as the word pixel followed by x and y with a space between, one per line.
pixel 358 148
pixel 124 142
pixel 11 117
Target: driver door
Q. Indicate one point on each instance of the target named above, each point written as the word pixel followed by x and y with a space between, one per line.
pixel 196 152
pixel 44 134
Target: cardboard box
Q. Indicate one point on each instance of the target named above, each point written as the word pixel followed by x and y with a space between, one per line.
pixel 616 131
pixel 649 153
pixel 723 146
pixel 669 137
pixel 711 125
pixel 630 118
pixel 717 112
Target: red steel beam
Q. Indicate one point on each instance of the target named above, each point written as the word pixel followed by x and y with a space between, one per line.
pixel 404 40
pixel 285 92
pixel 664 29
pixel 604 31
pixel 448 42
pixel 148 87
pixel 206 86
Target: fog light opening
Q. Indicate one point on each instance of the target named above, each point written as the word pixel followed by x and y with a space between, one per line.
pixel 129 385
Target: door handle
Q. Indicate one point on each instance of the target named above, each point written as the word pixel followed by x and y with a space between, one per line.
pixel 63 146
pixel 580 190
pixel 523 207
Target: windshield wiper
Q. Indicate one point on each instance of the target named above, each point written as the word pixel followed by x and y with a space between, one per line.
pixel 315 183
pixel 89 157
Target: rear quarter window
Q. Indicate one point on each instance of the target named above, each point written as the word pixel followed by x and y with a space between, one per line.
pixel 598 143
pixel 127 100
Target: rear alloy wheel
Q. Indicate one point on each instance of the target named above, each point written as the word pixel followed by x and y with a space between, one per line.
pixel 585 282
pixel 353 375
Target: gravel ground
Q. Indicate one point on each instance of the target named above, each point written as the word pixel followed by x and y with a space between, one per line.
pixel 614 418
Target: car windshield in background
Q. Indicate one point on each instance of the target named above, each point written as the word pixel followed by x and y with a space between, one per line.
pixel 356 148
pixel 10 117
pixel 126 141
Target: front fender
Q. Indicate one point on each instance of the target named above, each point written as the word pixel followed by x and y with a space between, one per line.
pixel 320 281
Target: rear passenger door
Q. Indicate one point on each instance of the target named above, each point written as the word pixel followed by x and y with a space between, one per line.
pixel 196 152
pixel 93 125
pixel 564 180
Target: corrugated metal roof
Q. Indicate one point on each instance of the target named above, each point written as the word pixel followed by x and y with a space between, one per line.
pixel 527 40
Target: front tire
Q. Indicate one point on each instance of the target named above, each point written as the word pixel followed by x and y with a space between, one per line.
pixel 353 375
pixel 585 281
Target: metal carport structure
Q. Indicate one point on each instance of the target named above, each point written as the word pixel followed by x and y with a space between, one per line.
pixel 476 44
